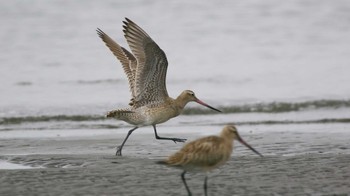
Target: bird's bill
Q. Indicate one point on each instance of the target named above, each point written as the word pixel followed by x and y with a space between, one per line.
pixel 206 105
pixel 248 146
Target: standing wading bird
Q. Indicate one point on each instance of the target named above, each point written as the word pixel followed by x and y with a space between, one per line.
pixel 146 69
pixel 206 154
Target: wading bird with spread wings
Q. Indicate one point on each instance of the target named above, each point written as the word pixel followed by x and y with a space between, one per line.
pixel 146 69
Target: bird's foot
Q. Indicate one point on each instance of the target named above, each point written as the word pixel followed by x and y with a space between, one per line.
pixel 171 138
pixel 178 140
pixel 119 151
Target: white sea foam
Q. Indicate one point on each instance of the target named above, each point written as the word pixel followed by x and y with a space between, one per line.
pixel 7 165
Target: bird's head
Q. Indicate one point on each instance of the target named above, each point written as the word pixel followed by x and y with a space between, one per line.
pixel 230 131
pixel 188 95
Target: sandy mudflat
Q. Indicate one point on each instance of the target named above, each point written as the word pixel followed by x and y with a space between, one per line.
pixel 326 174
pixel 294 164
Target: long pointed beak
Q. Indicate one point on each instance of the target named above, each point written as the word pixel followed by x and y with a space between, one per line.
pixel 248 146
pixel 206 105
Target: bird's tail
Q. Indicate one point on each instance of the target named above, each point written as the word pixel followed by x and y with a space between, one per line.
pixel 166 162
pixel 118 113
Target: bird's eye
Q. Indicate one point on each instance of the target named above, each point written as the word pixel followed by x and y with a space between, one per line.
pixel 190 93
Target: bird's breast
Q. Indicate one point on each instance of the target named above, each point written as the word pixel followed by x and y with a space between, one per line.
pixel 156 114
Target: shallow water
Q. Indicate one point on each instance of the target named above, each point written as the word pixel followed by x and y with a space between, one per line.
pixel 230 53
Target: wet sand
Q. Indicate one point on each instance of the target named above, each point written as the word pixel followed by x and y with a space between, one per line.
pixel 295 163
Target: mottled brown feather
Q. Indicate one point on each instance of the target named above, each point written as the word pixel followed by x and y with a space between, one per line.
pixel 150 78
pixel 127 60
pixel 204 153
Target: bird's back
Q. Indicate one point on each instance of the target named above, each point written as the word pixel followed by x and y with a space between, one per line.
pixel 203 154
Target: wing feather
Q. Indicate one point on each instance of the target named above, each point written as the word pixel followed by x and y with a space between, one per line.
pixel 152 64
pixel 205 152
pixel 127 60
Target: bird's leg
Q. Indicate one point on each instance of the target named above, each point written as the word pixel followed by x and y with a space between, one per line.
pixel 184 181
pixel 167 138
pixel 205 185
pixel 119 148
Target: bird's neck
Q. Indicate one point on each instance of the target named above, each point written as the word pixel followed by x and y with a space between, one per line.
pixel 180 102
pixel 227 137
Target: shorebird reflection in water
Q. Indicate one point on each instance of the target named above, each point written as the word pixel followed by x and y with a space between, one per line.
pixel 206 154
pixel 146 69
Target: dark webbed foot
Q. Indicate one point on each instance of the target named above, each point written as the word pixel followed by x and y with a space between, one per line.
pixel 119 151
pixel 173 139
pixel 119 148
pixel 167 138
pixel 178 140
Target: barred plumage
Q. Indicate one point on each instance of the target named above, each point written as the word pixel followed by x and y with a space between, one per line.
pixel 146 69
pixel 206 153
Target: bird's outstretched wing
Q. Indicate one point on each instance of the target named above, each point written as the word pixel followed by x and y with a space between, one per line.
pixel 127 60
pixel 151 68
